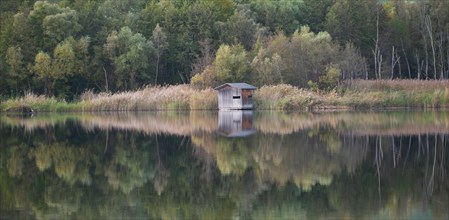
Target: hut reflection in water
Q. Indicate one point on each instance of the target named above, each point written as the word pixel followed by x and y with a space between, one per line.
pixel 235 123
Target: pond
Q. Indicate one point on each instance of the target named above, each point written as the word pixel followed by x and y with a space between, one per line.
pixel 225 165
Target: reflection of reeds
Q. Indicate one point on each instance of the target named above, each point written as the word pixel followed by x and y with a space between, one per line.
pixel 176 123
pixel 193 122
pixel 153 123
pixel 387 123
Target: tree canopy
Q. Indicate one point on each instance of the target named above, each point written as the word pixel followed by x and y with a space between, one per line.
pixel 122 45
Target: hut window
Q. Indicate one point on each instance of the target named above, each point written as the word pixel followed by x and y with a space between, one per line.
pixel 236 97
pixel 250 96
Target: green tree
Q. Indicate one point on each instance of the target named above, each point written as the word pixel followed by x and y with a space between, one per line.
pixel 231 64
pixel 17 69
pixel 160 42
pixel 63 60
pixel 120 13
pixel 6 30
pixel 278 15
pixel 240 28
pixel 43 69
pixel 130 54
pixel 354 21
pixel 306 55
pixel 50 24
pixel 22 36
pixel 60 26
pixel 313 13
pixel 268 70
pixel 63 67
pixel 330 80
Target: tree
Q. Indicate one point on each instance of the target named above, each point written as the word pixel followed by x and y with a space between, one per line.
pixel 22 36
pixel 354 21
pixel 313 13
pixel 59 26
pixel 353 65
pixel 129 53
pixel 160 42
pixel 43 69
pixel 50 24
pixel 120 13
pixel 268 70
pixel 17 69
pixel 231 64
pixel 205 58
pixel 6 32
pixel 278 15
pixel 240 28
pixel 63 60
pixel 306 55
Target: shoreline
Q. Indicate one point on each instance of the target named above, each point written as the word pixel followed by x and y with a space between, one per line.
pixel 360 95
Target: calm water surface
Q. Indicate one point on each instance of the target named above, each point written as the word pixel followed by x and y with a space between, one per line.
pixel 227 165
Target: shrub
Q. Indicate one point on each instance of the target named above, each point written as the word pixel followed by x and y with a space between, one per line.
pixel 330 80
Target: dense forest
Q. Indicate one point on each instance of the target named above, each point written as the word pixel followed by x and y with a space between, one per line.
pixel 64 47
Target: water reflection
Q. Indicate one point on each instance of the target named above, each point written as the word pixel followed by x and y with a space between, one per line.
pixel 235 123
pixel 177 165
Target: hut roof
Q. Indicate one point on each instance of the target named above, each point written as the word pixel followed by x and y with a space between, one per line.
pixel 237 85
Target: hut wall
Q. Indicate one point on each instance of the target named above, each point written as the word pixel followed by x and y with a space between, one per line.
pixel 230 98
pixel 247 99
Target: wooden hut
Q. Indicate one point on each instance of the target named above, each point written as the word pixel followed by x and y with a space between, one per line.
pixel 233 96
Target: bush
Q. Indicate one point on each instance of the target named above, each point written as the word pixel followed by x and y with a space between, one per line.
pixel 330 80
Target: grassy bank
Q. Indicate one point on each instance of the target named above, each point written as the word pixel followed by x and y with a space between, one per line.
pixel 375 94
pixel 180 97
pixel 395 93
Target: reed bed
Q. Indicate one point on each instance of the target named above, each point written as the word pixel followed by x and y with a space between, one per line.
pixel 373 94
pixel 37 103
pixel 358 94
pixel 177 97
pixel 397 85
pixel 286 97
pixel 148 98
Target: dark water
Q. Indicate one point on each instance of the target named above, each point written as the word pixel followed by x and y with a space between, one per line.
pixel 207 165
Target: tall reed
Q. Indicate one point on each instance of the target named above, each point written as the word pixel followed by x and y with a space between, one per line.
pixel 358 94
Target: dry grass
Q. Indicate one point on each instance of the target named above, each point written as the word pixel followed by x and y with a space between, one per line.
pixel 177 97
pixel 204 99
pixel 37 103
pixel 396 93
pixel 397 85
pixel 286 97
pixel 149 98
pixel 360 94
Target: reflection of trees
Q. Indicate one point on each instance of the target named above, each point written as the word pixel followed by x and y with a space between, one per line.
pixel 59 168
pixel 396 179
pixel 64 171
pixel 69 161
pixel 306 158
